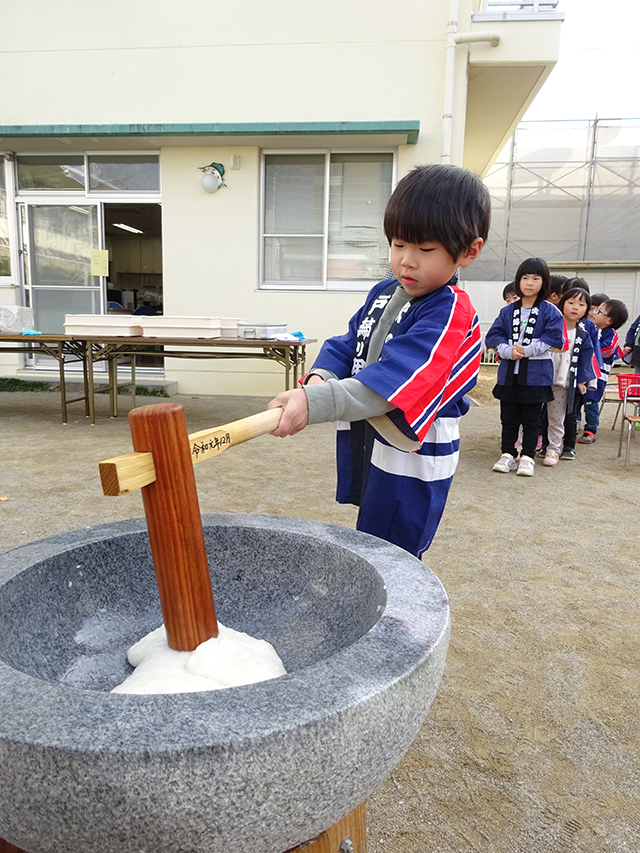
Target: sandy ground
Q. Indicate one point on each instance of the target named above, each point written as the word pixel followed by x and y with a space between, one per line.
pixel 532 742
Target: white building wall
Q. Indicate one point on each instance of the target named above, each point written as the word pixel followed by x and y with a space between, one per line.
pixel 250 61
pixel 196 61
pixel 211 268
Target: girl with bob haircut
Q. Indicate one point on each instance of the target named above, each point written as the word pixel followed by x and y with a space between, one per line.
pixel 573 372
pixel 524 334
pixel 535 267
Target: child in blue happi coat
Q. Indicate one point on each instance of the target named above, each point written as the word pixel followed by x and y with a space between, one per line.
pixel 573 373
pixel 608 316
pixel 524 333
pixel 572 419
pixel 396 380
pixel 573 416
pixel 631 347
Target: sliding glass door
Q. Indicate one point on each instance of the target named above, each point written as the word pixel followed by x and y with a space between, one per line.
pixel 57 240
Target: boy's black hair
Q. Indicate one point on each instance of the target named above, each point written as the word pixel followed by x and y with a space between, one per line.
pixel 441 204
pixel 598 299
pixel 575 282
pixel 557 282
pixel 617 312
pixel 575 291
pixel 509 288
pixel 535 266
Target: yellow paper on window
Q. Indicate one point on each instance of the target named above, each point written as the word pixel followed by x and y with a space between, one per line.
pixel 99 262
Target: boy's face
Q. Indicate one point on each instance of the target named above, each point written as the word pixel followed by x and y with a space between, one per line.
pixel 512 296
pixel 600 316
pixel 422 268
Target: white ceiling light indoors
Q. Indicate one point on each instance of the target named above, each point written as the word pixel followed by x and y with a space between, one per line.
pixel 127 228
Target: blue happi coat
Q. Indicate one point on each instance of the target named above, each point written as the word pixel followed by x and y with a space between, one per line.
pixel 424 369
pixel 549 328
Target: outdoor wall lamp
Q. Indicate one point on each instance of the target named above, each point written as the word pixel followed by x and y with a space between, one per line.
pixel 213 177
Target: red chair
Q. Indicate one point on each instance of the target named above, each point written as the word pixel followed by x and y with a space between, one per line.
pixel 629 392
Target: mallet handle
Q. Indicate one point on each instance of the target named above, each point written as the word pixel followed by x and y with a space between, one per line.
pixel 124 474
pixel 212 442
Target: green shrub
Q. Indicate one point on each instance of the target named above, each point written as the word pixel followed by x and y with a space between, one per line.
pixel 141 390
pixel 10 383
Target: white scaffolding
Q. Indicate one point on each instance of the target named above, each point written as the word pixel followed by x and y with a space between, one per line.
pixel 568 192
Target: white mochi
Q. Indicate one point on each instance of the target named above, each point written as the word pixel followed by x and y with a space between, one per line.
pixel 228 660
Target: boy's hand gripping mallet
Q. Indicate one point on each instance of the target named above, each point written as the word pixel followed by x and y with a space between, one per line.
pixel 162 466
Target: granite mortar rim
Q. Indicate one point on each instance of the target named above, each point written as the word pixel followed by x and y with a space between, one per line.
pixel 374 551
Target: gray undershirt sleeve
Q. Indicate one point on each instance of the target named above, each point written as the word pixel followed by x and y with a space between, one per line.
pixel 536 347
pixel 344 400
pixel 320 371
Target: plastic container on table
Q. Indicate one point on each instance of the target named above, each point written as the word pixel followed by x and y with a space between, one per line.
pixel 166 326
pixel 261 331
pixel 118 325
pixel 15 319
pixel 229 326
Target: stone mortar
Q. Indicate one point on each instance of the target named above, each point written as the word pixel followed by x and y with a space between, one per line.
pixel 361 626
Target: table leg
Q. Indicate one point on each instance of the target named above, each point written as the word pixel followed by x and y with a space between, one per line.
pixel 133 381
pixel 92 399
pixel 299 359
pixel 85 382
pixel 63 386
pixel 112 363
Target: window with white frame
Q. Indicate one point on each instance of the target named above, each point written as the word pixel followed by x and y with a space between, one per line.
pixel 322 219
pixel 89 172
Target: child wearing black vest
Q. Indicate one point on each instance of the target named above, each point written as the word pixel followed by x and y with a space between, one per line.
pixel 524 333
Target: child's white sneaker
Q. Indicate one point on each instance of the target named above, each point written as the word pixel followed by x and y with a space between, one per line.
pixel 526 466
pixel 505 464
pixel 551 458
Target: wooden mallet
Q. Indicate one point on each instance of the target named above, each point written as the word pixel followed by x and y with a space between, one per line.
pixel 162 466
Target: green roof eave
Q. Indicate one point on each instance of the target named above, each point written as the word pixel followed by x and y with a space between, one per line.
pixel 293 128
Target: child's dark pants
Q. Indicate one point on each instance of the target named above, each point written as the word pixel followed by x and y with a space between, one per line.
pixel 512 416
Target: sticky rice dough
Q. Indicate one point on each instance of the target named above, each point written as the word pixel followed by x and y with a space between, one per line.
pixel 228 660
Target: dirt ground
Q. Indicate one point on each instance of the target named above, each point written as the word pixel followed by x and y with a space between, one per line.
pixel 532 741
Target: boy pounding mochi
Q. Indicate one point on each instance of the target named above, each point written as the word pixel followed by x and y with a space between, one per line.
pixel 409 356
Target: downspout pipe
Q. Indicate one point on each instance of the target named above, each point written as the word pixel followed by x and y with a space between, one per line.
pixel 454 38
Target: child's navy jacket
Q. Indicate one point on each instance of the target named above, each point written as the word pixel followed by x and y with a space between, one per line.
pixel 595 340
pixel 549 328
pixel 587 364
